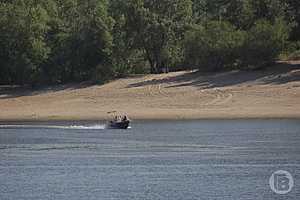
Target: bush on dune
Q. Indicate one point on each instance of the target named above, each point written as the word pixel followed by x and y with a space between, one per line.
pixel 263 43
pixel 220 45
pixel 213 47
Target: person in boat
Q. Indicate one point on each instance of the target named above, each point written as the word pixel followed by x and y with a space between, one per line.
pixel 125 118
pixel 117 118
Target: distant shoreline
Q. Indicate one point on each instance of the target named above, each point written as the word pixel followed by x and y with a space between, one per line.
pixel 268 94
pixel 69 120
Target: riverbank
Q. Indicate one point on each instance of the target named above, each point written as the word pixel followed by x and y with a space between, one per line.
pixel 271 93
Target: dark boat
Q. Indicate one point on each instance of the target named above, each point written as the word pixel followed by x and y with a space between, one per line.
pixel 124 124
pixel 118 122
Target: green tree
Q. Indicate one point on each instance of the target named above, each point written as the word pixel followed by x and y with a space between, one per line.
pixel 156 28
pixel 264 42
pixel 75 40
pixel 213 47
pixel 126 57
pixel 23 27
pixel 293 14
pixel 81 39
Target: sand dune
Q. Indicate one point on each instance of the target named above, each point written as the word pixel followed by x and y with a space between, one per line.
pixel 272 93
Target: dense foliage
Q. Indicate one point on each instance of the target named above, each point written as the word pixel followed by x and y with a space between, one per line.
pixel 58 41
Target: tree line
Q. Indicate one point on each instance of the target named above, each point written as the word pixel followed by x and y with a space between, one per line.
pixel 59 41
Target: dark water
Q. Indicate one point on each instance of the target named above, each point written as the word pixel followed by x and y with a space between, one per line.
pixel 153 160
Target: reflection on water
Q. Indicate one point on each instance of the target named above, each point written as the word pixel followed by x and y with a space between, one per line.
pixel 212 159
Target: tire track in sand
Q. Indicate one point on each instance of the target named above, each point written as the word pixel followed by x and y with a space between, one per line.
pixel 220 98
pixel 155 89
pixel 161 91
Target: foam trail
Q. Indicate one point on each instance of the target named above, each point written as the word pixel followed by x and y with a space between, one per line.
pixel 93 127
pixel 76 127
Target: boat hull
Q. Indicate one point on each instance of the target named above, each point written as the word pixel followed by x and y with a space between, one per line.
pixel 119 125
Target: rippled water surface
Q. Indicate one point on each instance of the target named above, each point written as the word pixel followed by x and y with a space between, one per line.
pixel 212 159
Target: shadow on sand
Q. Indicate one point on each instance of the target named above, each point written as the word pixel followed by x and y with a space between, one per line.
pixel 279 73
pixel 8 91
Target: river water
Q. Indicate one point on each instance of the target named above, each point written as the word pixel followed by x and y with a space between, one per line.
pixel 176 160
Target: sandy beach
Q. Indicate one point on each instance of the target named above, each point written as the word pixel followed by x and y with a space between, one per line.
pixel 271 93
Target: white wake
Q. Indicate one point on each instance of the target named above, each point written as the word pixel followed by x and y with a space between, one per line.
pixel 76 127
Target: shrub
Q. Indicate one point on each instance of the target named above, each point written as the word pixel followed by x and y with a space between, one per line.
pixel 291 51
pixel 264 42
pixel 213 47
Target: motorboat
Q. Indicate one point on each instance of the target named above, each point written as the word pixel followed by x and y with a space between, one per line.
pixel 119 123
